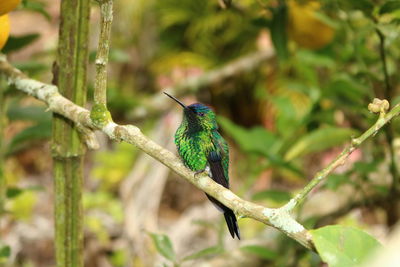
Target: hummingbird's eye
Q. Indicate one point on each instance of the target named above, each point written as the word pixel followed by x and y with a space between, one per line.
pixel 200 114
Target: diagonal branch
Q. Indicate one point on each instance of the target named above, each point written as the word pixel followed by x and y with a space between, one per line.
pixel 378 106
pixel 279 218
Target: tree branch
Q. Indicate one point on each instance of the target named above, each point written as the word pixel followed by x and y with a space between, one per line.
pixel 3 111
pixel 100 83
pixel 378 106
pixel 370 202
pixel 279 218
pixel 68 150
pixel 389 131
pixel 382 54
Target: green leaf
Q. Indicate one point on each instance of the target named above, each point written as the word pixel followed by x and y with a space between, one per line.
pixel 347 90
pixel 261 22
pixel 314 59
pixel 30 113
pixel 366 167
pixel 318 140
pixel 32 67
pixel 119 56
pixel 256 139
pixel 278 31
pixel 16 43
pixel 389 7
pixel 366 6
pixel 36 7
pixel 335 180
pixel 343 246
pixel 13 192
pixel 204 253
pixel 40 131
pixel 274 195
pixel 5 252
pixel 163 245
pixel 261 252
pixel 288 118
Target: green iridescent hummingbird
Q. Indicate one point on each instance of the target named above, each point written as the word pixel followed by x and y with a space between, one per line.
pixel 202 148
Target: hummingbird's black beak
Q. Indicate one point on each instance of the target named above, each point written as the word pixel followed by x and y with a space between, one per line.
pixel 179 102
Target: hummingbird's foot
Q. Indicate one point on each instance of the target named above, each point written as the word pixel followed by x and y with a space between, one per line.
pixel 206 170
pixel 199 172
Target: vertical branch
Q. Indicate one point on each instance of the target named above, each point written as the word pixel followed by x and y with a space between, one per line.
pixel 2 143
pixel 99 113
pixel 393 213
pixel 100 85
pixel 68 150
pixel 382 54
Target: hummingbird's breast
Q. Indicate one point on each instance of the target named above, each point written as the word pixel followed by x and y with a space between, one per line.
pixel 193 148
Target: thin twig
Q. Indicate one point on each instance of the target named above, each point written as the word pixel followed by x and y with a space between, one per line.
pixel 388 131
pixel 100 84
pixel 341 158
pixel 3 184
pixel 382 53
pixel 370 202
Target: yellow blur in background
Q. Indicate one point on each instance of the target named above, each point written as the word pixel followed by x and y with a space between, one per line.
pixel 4 30
pixel 8 5
pixel 5 7
pixel 305 27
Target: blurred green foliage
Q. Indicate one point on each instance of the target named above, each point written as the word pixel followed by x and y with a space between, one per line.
pixel 344 246
pixel 282 118
pixel 111 172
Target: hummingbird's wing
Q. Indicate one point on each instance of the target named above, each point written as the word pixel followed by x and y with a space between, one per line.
pixel 216 168
pixel 215 163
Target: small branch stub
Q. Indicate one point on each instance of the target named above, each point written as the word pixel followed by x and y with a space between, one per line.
pixel 100 116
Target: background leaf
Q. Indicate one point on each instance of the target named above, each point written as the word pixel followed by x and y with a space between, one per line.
pixel 40 131
pixel 261 252
pixel 15 43
pixel 32 113
pixel 5 252
pixel 256 139
pixel 163 245
pixel 274 195
pixel 211 251
pixel 343 246
pixel 389 6
pixel 319 140
pixel 278 31
pixel 38 7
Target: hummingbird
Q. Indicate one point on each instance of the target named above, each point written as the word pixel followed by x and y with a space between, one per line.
pixel 203 149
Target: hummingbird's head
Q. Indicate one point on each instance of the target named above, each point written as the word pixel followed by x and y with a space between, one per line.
pixel 198 116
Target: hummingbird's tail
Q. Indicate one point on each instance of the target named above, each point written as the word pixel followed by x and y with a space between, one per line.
pixel 230 217
pixel 231 222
